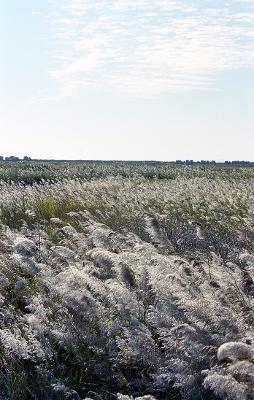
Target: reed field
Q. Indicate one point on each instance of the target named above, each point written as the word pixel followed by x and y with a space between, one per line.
pixel 126 280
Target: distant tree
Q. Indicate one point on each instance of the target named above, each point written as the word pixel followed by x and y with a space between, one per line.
pixel 26 158
pixel 12 158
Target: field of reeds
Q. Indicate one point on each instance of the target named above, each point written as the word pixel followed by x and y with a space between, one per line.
pixel 126 281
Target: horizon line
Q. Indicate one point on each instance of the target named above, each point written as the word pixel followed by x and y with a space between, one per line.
pixel 178 161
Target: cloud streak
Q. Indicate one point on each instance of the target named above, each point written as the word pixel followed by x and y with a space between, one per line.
pixel 147 48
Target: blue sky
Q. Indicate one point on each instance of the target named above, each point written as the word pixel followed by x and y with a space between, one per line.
pixel 125 79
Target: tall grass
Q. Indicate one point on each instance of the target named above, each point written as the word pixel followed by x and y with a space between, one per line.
pixel 126 282
pixel 38 172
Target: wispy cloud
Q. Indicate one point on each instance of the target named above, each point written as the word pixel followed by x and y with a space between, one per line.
pixel 146 48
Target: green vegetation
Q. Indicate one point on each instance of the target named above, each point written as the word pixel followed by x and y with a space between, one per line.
pixel 38 172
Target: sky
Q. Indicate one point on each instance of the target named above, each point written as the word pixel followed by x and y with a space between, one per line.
pixel 127 79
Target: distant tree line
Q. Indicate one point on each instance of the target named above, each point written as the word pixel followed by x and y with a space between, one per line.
pixel 192 162
pixel 14 158
pixel 208 162
pixel 240 163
